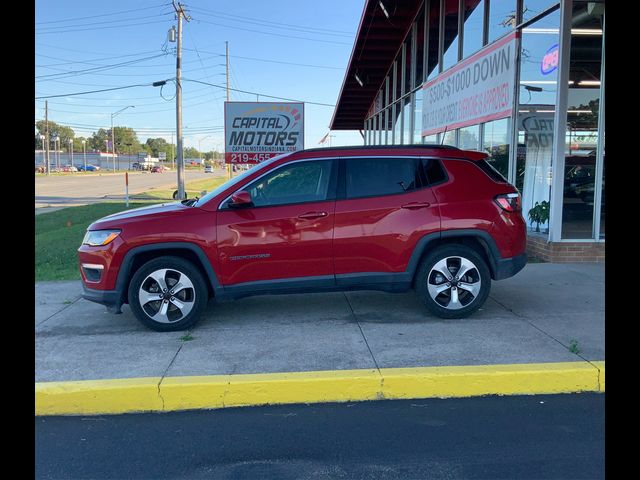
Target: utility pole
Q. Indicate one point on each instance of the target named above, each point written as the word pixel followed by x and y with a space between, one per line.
pixel 229 166
pixel 46 131
pixel 180 13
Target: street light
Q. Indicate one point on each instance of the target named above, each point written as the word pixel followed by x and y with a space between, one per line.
pixel 113 136
pixel 56 145
pixel 84 153
pixel 71 149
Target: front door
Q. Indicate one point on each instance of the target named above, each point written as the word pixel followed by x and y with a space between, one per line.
pixel 286 233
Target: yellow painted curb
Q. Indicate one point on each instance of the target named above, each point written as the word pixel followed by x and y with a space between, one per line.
pixel 92 397
pixel 219 391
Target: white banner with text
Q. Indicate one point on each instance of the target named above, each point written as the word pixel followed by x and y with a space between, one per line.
pixel 476 90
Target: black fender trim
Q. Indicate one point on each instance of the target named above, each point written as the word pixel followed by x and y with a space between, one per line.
pixel 496 262
pixel 127 262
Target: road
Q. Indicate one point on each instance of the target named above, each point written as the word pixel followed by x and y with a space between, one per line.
pixel 523 437
pixel 59 191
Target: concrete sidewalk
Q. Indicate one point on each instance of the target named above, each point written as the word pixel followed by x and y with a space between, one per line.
pixel 531 318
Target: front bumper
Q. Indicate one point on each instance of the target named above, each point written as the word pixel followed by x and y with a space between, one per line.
pixel 109 298
pixel 508 267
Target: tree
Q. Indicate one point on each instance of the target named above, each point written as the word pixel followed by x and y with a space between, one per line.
pixel 191 152
pixel 97 141
pixel 55 130
pixel 126 140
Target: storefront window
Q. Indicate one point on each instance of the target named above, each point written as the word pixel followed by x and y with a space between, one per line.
pixel 502 18
pixel 397 125
pixel 604 164
pixel 406 119
pixel 473 23
pixel 450 138
pixel 419 57
pixel 431 139
pixel 537 93
pixel 397 68
pixel 407 65
pixel 469 138
pixel 417 117
pixel 450 47
pixel 434 39
pixel 531 8
pixel 495 142
pixel 582 121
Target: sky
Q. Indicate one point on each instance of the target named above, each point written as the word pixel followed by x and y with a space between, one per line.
pixel 298 49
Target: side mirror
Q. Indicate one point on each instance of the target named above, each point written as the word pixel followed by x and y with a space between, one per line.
pixel 241 199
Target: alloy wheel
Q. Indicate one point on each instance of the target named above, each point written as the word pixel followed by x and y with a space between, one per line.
pixel 167 295
pixel 454 282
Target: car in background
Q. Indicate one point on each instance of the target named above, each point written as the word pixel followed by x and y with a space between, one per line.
pixel 88 168
pixel 158 169
pixel 39 169
pixel 69 168
pixel 208 169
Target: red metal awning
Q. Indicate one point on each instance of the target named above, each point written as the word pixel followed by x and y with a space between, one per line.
pixel 377 42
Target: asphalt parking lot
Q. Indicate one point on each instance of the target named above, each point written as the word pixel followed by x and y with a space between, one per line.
pixel 59 191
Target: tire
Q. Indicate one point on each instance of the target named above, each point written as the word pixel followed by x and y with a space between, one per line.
pixel 440 299
pixel 183 309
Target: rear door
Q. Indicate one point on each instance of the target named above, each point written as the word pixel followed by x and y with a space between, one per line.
pixel 287 233
pixel 384 206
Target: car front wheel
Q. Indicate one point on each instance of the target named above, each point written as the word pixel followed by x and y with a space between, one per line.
pixel 453 281
pixel 168 294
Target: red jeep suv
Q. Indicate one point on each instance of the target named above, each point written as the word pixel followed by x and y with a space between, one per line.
pixel 433 218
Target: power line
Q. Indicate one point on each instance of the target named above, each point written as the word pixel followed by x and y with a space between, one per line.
pixel 100 15
pixel 257 93
pixel 102 28
pixel 271 33
pixel 66 61
pixel 62 27
pixel 95 91
pixel 88 71
pixel 267 22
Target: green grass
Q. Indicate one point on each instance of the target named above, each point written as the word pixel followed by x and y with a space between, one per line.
pixel 60 233
pixel 194 189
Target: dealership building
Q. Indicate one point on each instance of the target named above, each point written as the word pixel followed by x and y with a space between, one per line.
pixel 522 80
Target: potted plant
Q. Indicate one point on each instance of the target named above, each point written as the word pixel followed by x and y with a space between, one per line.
pixel 539 213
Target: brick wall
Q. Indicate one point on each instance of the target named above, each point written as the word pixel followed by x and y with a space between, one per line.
pixel 564 252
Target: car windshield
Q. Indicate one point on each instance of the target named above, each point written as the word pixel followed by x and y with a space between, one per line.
pixel 236 180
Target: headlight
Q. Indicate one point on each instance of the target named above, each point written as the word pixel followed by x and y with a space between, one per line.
pixel 97 238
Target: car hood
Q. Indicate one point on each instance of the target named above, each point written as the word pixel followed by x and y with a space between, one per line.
pixel 135 214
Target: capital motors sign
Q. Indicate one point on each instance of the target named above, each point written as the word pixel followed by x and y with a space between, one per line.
pixel 257 131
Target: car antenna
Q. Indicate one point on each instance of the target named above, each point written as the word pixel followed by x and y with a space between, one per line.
pixel 443 134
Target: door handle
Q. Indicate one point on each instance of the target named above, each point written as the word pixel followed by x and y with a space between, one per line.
pixel 416 205
pixel 310 215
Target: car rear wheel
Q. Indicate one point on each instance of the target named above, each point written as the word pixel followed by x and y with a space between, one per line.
pixel 453 281
pixel 168 294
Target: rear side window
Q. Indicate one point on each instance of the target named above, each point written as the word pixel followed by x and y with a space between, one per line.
pixel 367 177
pixel 494 174
pixel 433 170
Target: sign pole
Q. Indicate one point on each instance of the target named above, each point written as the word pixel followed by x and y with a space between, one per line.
pixel 126 188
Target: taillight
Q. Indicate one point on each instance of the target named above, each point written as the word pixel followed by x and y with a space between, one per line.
pixel 510 202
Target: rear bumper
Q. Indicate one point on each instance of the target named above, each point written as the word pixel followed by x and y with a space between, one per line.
pixel 508 267
pixel 109 298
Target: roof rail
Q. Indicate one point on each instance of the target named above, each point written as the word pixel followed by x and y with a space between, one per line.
pixel 419 146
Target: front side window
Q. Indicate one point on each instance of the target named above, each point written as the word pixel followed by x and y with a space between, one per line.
pixel 295 183
pixel 367 177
